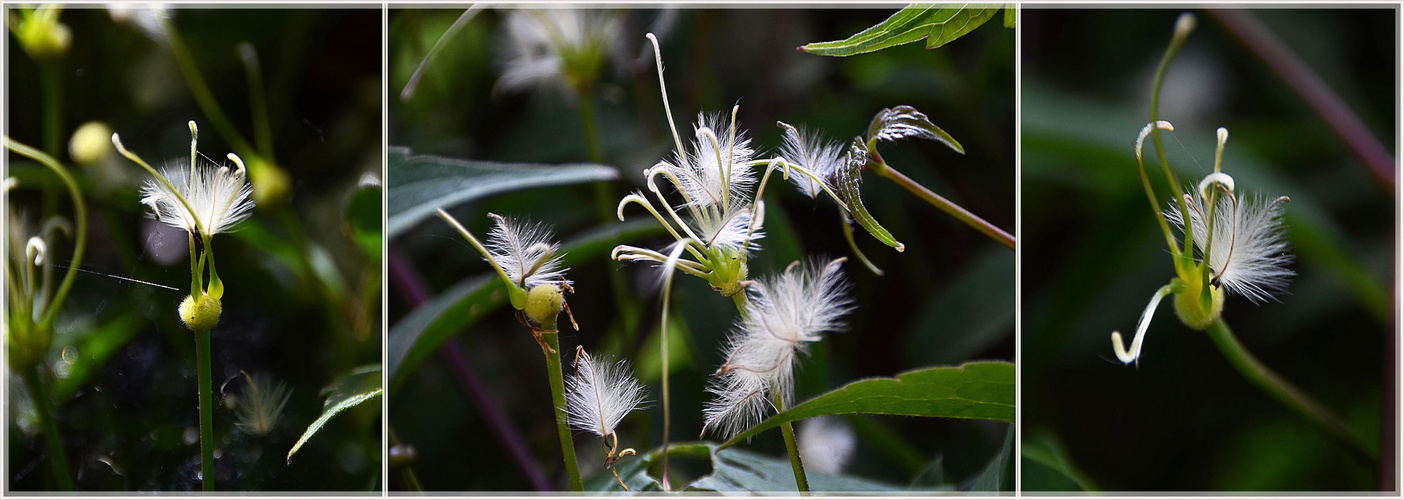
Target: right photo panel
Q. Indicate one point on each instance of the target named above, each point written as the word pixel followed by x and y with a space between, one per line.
pixel 1207 245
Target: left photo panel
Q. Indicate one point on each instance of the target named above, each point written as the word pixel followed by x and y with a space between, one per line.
pixel 140 141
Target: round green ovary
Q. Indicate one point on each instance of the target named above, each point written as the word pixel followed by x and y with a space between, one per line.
pixel 544 303
pixel 200 315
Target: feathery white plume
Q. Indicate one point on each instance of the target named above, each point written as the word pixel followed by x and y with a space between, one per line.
pixel 525 252
pixel 262 405
pixel 541 43
pixel 219 197
pixel 783 315
pixel 812 152
pixel 601 393
pixel 1248 250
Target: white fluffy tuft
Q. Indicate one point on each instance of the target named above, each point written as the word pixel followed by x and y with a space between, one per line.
pixel 812 152
pixel 783 315
pixel 1249 250
pixel 601 393
pixel 525 252
pixel 219 197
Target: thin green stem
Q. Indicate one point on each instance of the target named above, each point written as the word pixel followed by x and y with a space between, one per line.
pixel 788 430
pixel 553 371
pixel 1287 394
pixel 202 361
pixel 400 464
pixel 53 105
pixel 36 381
pixel 258 101
pixel 80 216
pixel 204 98
pixel 1183 26
pixel 960 213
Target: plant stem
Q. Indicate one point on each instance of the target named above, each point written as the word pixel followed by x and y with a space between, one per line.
pixel 53 106
pixel 35 381
pixel 553 371
pixel 788 430
pixel 990 230
pixel 202 361
pixel 1285 393
pixel 1183 25
pixel 205 98
pixel 80 216
pixel 1293 71
pixel 401 463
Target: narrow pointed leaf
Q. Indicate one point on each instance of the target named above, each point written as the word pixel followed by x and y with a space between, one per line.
pixel 355 387
pixel 938 25
pixel 1009 15
pixel 847 181
pixel 903 122
pixel 977 390
pixel 418 184
pixel 998 474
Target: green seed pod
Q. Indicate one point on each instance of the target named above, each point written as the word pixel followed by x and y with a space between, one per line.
pixel 544 303
pixel 200 315
pixel 1191 310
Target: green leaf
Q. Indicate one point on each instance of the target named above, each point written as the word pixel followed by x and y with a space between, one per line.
pixel 364 217
pixel 421 331
pixel 847 180
pixel 904 122
pixel 1009 15
pixel 421 183
pixel 978 390
pixel 938 26
pixel 736 471
pixel 355 387
pixel 1044 448
pixel 733 472
pixel 998 475
pixel 632 470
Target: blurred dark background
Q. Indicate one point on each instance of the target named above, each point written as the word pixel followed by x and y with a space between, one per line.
pixel 302 301
pixel 947 299
pixel 1093 255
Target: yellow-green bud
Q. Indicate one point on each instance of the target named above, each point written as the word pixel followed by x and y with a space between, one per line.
pixel 544 303
pixel 1190 308
pixel 43 38
pixel 91 143
pixel 270 183
pixel 200 315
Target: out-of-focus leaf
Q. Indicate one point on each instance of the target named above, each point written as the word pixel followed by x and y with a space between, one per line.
pixel 977 390
pixel 904 122
pixel 421 183
pixel 422 330
pixel 973 312
pixel 1047 450
pixel 355 387
pixel 932 477
pixel 998 475
pixel 734 472
pixel 364 217
pixel 887 441
pixel 938 25
pixel 740 472
pixel 632 470
pixel 74 369
pixel 1009 15
pixel 848 180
